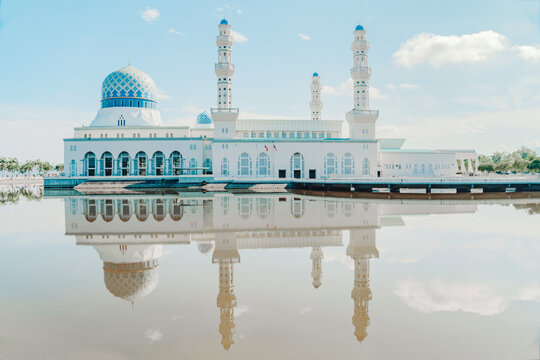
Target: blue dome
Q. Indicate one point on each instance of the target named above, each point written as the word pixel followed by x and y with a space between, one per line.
pixel 359 27
pixel 315 74
pixel 224 22
pixel 204 119
pixel 129 87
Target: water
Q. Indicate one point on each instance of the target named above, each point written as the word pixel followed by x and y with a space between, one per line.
pixel 257 276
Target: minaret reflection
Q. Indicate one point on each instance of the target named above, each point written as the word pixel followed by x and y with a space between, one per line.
pixel 361 249
pixel 316 266
pixel 226 255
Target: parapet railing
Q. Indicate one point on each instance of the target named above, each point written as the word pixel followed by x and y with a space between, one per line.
pixel 224 110
pixel 364 112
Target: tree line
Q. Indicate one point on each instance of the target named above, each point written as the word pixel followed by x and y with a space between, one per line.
pixel 12 167
pixel 522 160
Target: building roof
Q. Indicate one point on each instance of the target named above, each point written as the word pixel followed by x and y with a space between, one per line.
pixel 224 22
pixel 359 27
pixel 288 125
pixel 315 74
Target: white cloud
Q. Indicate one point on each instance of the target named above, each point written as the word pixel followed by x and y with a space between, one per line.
pixel 176 32
pixel 402 86
pixel 528 52
pixel 150 15
pixel 305 310
pixel 346 88
pixel 437 296
pixel 437 50
pixel 239 11
pixel 192 109
pixel 529 293
pixel 219 9
pixel 237 37
pixel 153 335
pixel 241 310
pixel 304 36
pixel 161 95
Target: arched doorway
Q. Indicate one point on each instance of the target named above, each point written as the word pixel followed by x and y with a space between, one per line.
pixel 297 165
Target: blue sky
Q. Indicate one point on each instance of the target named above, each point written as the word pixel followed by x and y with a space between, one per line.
pixel 461 74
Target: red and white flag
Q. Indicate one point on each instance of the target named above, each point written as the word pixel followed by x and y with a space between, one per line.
pixel 275 148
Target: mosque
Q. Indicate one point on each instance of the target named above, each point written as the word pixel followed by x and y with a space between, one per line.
pixel 129 233
pixel 128 141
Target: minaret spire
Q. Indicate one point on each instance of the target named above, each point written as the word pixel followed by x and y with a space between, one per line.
pixel 316 266
pixel 224 67
pixel 315 105
pixel 224 115
pixel 361 119
pixel 361 249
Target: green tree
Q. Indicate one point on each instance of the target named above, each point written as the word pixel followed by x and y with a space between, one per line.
pixel 534 165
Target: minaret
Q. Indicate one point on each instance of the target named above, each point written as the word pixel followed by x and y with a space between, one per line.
pixel 361 249
pixel 226 254
pixel 315 105
pixel 316 266
pixel 224 115
pixel 361 120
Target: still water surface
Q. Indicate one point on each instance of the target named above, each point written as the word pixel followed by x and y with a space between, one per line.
pixel 267 276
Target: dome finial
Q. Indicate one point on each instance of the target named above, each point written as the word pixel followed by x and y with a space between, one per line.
pixel 129 62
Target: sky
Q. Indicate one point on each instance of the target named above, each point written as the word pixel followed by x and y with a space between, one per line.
pixel 459 74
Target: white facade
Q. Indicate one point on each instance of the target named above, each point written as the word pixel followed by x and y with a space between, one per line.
pixel 127 137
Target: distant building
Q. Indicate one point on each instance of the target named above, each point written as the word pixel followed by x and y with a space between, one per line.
pixel 127 137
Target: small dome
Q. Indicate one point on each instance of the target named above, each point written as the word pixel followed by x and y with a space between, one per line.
pixel 204 119
pixel 315 74
pixel 205 247
pixel 128 83
pixel 359 27
pixel 130 284
pixel 224 22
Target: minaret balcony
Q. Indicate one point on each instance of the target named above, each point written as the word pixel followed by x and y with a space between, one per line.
pixel 367 113
pixel 363 71
pixel 224 66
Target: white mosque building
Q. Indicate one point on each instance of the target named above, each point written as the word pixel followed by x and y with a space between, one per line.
pixel 127 139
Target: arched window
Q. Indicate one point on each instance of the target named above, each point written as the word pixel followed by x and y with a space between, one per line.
pixel 90 210
pixel 330 164
pixel 415 171
pixel 225 167
pixel 176 209
pixel 263 164
pixel 245 207
pixel 365 167
pixel 244 165
pixel 208 166
pixel 90 164
pixel 297 165
pixel 107 163
pixel 423 169
pixel 124 161
pixel 125 210
pixel 192 166
pixel 159 210
pixel 176 163
pixel 107 210
pixel 159 163
pixel 141 163
pixel 263 207
pixel 347 164
pixel 141 210
pixel 297 207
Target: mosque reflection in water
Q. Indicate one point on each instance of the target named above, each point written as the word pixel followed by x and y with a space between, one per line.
pixel 129 234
